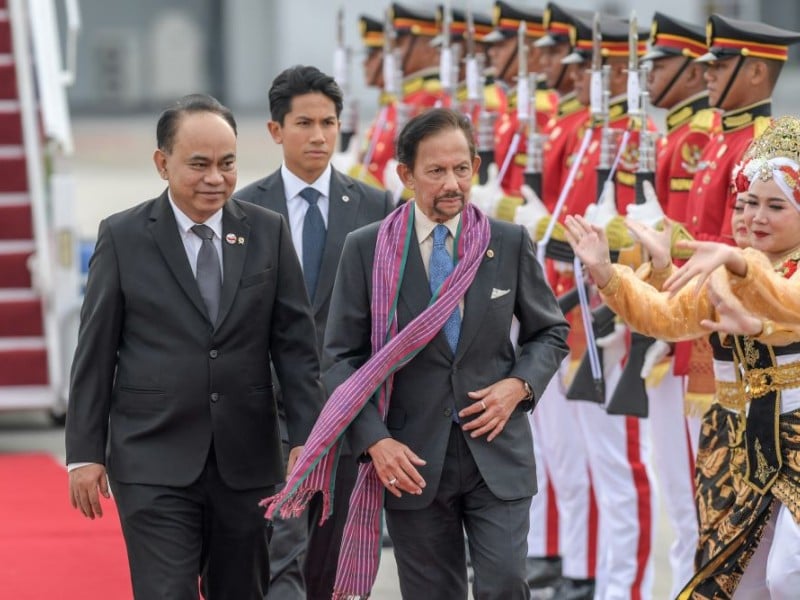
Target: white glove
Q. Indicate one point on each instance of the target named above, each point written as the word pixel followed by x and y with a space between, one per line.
pixel 345 161
pixel 614 347
pixel 652 356
pixel 650 213
pixel 392 181
pixel 486 196
pixel 530 213
pixel 605 209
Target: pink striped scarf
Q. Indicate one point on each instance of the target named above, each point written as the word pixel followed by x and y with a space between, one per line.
pixel 391 350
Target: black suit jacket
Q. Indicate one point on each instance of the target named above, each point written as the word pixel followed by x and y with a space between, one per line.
pixel 156 381
pixel 509 283
pixel 352 205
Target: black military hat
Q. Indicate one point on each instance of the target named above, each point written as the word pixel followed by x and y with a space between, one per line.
pixel 727 37
pixel 506 20
pixel 371 31
pixel 559 23
pixel 458 25
pixel 673 37
pixel 614 39
pixel 408 21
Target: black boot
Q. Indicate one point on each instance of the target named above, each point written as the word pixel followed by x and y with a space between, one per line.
pixel 542 571
pixel 575 589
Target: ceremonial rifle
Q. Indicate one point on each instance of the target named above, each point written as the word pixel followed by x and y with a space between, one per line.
pixel 523 100
pixel 533 149
pixel 630 395
pixel 476 84
pixel 341 73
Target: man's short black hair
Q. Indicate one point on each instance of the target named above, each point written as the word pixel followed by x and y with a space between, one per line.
pixel 193 103
pixel 297 81
pixel 427 124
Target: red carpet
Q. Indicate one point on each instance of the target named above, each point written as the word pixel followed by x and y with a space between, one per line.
pixel 48 551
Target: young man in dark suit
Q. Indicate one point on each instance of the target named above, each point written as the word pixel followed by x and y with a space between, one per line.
pixel 190 296
pixel 322 206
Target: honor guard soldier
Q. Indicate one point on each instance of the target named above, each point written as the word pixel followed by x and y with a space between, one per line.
pixel 744 61
pixel 468 45
pixel 557 547
pixel 676 83
pixel 616 447
pixel 570 114
pixel 410 73
pixel 513 61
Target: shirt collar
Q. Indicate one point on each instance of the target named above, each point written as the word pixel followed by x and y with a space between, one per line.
pixel 293 185
pixel 185 223
pixel 424 226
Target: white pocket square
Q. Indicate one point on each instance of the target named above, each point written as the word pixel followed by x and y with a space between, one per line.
pixel 498 293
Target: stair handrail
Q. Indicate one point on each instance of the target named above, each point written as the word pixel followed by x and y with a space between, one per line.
pixel 52 77
pixel 43 273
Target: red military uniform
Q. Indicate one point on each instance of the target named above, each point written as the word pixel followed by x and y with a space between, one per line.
pixel 690 127
pixel 507 125
pixel 710 203
pixel 560 130
pixel 584 188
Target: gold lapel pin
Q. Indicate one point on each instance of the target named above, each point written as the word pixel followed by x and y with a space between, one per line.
pixel 240 241
pixel 490 253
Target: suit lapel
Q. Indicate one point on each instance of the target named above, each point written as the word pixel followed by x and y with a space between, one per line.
pixel 164 229
pixel 476 301
pixel 234 223
pixel 275 194
pixel 342 211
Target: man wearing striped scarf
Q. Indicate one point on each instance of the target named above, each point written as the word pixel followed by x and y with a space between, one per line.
pixel 429 385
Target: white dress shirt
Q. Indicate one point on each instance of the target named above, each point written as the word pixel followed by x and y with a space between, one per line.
pixel 423 227
pixel 298 206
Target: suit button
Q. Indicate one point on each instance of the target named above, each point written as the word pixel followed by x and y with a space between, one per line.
pixel 214 397
pixel 214 353
pixel 448 412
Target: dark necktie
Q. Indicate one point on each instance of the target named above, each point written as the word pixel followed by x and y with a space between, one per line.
pixel 313 240
pixel 209 272
pixel 440 266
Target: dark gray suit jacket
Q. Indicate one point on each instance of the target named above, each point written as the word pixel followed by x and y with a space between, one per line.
pixel 156 380
pixel 352 205
pixel 509 282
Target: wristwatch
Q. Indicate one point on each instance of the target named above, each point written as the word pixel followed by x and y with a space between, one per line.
pixel 528 391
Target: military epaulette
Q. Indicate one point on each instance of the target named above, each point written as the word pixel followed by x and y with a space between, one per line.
pixel 569 105
pixel 493 97
pixel 359 173
pixel 705 121
pixel 461 93
pixel 386 99
pixel 546 101
pixel 744 117
pixel 760 125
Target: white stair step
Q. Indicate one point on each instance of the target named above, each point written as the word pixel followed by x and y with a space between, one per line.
pixel 9 106
pixel 24 397
pixel 8 344
pixel 14 199
pixel 15 246
pixel 11 151
pixel 17 294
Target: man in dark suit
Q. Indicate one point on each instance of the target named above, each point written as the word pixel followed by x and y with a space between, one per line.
pixel 455 449
pixel 305 105
pixel 189 297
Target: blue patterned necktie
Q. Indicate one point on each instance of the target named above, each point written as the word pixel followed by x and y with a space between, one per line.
pixel 314 234
pixel 441 265
pixel 209 272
